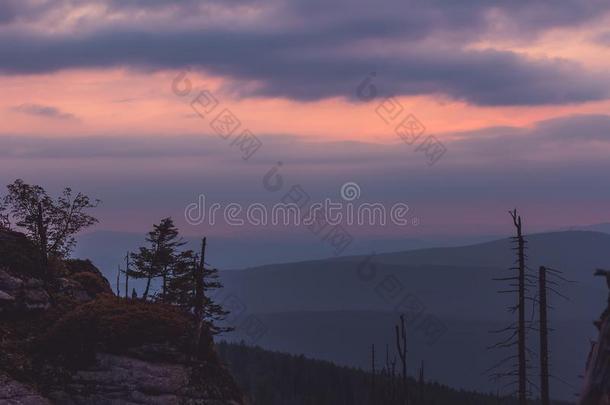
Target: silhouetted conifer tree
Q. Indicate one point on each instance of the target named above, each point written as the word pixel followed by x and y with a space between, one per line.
pixel 157 259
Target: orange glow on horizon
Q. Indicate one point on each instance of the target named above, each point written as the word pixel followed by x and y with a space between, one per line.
pixel 134 103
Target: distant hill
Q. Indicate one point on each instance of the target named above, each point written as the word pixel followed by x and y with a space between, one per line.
pixel 452 282
pixel 604 227
pixel 106 248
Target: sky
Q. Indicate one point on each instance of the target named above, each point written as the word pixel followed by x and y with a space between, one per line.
pixel 112 98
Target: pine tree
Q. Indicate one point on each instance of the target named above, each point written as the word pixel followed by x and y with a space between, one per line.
pixel 189 285
pixel 144 266
pixel 181 284
pixel 159 258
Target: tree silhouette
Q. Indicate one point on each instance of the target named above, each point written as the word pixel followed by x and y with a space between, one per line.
pixel 190 284
pixel 516 366
pixel 50 223
pixel 520 242
pixel 548 281
pixel 157 259
pixel 401 348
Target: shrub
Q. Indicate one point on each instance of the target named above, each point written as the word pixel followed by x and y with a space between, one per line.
pixel 113 324
pixel 93 284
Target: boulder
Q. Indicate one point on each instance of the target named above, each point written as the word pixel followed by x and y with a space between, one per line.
pixel 73 289
pixel 20 294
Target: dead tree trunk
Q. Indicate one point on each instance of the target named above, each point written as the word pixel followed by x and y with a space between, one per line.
pixel 127 275
pixel 373 372
pixel 421 383
pixel 42 238
pixel 199 296
pixel 118 280
pixel 392 374
pixel 401 348
pixel 544 348
pixel 522 367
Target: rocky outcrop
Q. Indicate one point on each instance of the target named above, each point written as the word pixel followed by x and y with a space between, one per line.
pixel 68 340
pixel 73 289
pixel 16 393
pixel 21 286
pixel 128 380
pixel 22 294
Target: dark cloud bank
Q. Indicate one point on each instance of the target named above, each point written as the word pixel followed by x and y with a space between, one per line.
pixel 324 49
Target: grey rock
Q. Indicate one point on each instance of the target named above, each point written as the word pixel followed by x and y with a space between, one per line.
pixel 29 295
pixel 126 380
pixel 74 289
pixel 34 283
pixel 35 298
pixel 8 282
pixel 13 392
pixel 6 297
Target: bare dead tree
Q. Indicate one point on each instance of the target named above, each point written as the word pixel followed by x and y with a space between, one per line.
pixel 200 295
pixel 127 274
pixel 373 372
pixel 401 348
pixel 420 383
pixel 387 358
pixel 521 308
pixel 544 336
pixel 118 279
pixel 515 367
pixel 548 281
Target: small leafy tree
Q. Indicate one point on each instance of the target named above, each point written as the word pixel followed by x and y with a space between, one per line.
pixel 50 223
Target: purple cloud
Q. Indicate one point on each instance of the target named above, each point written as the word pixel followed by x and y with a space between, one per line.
pixel 43 111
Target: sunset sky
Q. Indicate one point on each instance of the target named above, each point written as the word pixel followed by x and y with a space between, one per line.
pixel 518 92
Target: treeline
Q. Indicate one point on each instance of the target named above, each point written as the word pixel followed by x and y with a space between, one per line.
pixel 272 378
